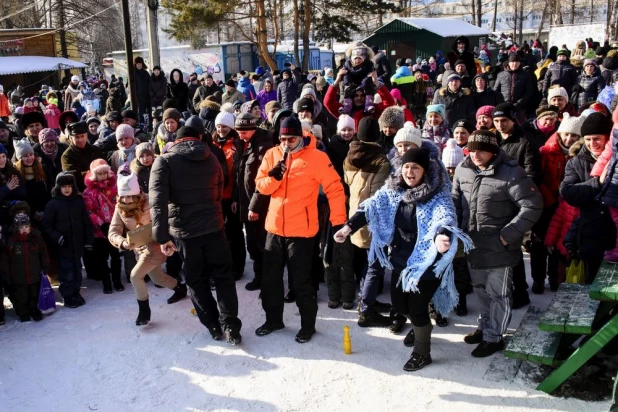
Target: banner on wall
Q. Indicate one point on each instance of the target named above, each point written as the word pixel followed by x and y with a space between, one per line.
pixel 570 34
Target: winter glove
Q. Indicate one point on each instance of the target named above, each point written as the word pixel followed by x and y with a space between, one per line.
pixel 278 171
pixel 61 241
pixel 105 228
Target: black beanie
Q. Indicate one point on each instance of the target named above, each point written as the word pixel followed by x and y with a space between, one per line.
pixel 230 83
pixel 187 131
pixel 245 121
pixel 505 110
pixel 418 156
pixel 368 130
pixel 597 123
pixel 129 114
pixel 514 57
pixel 290 126
pixel 458 62
pixel 305 104
pixel 483 140
pixel 466 124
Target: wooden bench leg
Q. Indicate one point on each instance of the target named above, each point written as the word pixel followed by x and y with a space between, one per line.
pixel 580 356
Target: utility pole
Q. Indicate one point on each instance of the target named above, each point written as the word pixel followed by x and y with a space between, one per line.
pixel 129 52
pixel 152 25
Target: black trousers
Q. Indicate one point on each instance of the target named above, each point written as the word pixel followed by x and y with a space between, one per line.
pixel 520 285
pixel 101 252
pixel 173 265
pixel 25 298
pixel 70 276
pixel 235 236
pixel 414 305
pixel 296 253
pixel 541 262
pixel 129 260
pixel 208 257
pixel 1 300
pixel 256 241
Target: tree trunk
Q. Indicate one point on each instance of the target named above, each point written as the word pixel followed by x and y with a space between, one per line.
pixel 515 18
pixel 306 32
pixel 538 33
pixel 558 13
pixel 64 50
pixel 572 12
pixel 281 33
pixel 479 12
pixel 473 5
pixel 261 31
pixel 520 39
pixel 493 25
pixel 296 33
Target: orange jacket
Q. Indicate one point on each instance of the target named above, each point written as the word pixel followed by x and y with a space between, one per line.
pixel 293 210
pixel 229 149
pixel 4 106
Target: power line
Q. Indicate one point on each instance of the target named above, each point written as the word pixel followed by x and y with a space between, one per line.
pixel 18 12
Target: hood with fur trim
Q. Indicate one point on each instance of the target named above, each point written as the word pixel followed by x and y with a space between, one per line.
pixel 464 90
pixel 209 104
pixel 357 44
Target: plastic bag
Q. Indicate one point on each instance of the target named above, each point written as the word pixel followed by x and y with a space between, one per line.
pixel 47 300
pixel 575 272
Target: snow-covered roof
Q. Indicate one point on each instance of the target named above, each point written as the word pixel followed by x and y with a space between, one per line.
pixel 31 64
pixel 446 27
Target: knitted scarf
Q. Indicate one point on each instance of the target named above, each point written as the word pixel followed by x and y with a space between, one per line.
pixel 434 211
pixel 128 154
pixel 50 153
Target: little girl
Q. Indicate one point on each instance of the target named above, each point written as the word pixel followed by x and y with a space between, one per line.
pixel 24 259
pixel 166 132
pixel 436 127
pixel 141 165
pixel 131 212
pixel 125 136
pixel 100 199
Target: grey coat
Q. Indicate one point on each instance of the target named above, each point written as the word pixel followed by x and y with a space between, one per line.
pixel 500 201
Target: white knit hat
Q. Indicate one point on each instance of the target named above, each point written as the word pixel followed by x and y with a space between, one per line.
pixel 225 119
pixel 90 108
pixel 345 121
pixel 571 124
pixel 408 133
pixel 128 185
pixel 74 78
pixel 557 92
pixel 452 154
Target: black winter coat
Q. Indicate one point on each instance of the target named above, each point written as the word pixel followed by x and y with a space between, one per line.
pixel 67 217
pixel 178 91
pixel 535 136
pixel 337 151
pixel 596 232
pixel 588 88
pixel 518 147
pixel 458 105
pixel 286 92
pixel 202 93
pixel 50 167
pixel 186 189
pixel 158 89
pixel 487 97
pixel 246 165
pixel 142 87
pixel 383 68
pixel 208 115
pixel 560 73
pixel 516 87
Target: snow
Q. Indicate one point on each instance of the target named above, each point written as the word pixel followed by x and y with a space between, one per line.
pixel 95 358
pixel 31 64
pixel 446 27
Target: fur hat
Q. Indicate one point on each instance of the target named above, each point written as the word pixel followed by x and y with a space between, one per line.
pixel 368 130
pixel 74 79
pixel 66 118
pixel 139 59
pixel 19 206
pixel 124 130
pixel 22 148
pixel 557 92
pixel 408 133
pixel 452 154
pixel 33 117
pixel 98 165
pixel 227 107
pixel 226 119
pixel 484 140
pixel 392 116
pixel 144 148
pixel 345 121
pixel 128 185
pixel 437 108
pixel 571 124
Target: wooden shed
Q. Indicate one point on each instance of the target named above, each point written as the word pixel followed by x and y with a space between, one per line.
pixel 423 37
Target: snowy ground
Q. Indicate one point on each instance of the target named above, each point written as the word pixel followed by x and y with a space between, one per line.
pixel 95 358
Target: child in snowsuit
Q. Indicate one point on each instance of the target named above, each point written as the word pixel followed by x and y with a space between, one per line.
pixel 67 224
pixel 359 65
pixel 100 199
pixel 24 259
pixel 436 127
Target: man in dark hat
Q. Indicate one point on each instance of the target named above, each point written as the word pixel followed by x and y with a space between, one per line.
pixel 130 117
pixel 33 123
pixel 142 88
pixel 187 217
pixel 208 88
pixel 77 158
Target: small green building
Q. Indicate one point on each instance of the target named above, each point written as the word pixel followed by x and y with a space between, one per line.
pixel 422 37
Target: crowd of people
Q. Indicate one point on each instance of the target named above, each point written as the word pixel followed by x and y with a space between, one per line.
pixel 441 172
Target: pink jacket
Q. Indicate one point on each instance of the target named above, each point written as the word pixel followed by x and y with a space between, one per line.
pixel 100 200
pixel 52 114
pixel 603 160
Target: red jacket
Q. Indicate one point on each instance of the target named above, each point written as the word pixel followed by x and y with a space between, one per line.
pixel 4 106
pixel 553 162
pixel 100 200
pixel 52 116
pixel 560 225
pixel 331 102
pixel 229 149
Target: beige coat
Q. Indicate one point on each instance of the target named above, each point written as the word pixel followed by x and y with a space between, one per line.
pixel 363 183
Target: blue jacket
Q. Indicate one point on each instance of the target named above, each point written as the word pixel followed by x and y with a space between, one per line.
pixel 246 88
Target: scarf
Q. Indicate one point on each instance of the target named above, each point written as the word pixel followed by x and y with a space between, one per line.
pixel 164 135
pixel 51 154
pixel 128 154
pixel 545 130
pixel 437 134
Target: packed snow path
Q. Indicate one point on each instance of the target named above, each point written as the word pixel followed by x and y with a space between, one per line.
pixel 95 358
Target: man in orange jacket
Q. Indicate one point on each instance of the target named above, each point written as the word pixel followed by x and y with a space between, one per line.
pixel 292 174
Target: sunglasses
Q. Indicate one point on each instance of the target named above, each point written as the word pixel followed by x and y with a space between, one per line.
pixel 288 139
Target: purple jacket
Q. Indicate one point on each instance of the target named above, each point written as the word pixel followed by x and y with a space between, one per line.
pixel 264 97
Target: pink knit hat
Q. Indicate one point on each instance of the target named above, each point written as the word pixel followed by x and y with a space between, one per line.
pixel 124 130
pixel 485 110
pixel 99 165
pixel 396 94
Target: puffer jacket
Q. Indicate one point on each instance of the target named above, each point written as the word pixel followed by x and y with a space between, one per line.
pixel 293 210
pixel 208 113
pixel 52 116
pixel 246 88
pixel 178 91
pixel 588 87
pixel 560 73
pixel 535 135
pixel 500 201
pixel 365 169
pixel 120 225
pixel 287 91
pixel 51 168
pixel 228 146
pixel 518 147
pixel 553 162
pixel 24 258
pixel 559 226
pixel 186 188
pixel 202 93
pixel 246 164
pixel 100 200
pixel 516 87
pixel 158 89
pixel 403 80
pixel 596 231
pixel 264 97
pixel 458 105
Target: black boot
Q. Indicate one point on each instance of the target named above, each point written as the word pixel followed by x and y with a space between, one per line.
pixel 143 317
pixel 268 328
pixel 416 362
pixel 398 321
pixel 180 291
pixel 372 318
pixel 304 335
pixel 410 338
pixel 290 297
pixel 462 306
pixel 118 286
pixel 382 307
pixel 107 287
pixel 36 315
pixel 255 284
pixel 215 331
pixel 232 336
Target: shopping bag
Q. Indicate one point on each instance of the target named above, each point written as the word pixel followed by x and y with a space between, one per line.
pixel 47 300
pixel 575 272
pixel 140 236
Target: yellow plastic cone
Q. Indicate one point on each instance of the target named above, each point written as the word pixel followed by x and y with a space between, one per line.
pixel 347 342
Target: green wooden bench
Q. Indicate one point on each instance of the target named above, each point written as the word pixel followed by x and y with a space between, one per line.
pixel 574 311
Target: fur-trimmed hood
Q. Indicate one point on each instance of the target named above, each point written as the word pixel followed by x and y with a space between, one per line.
pixel 356 45
pixel 209 104
pixel 576 148
pixel 463 91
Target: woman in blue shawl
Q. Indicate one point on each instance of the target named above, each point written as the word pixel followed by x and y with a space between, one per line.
pixel 413 213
